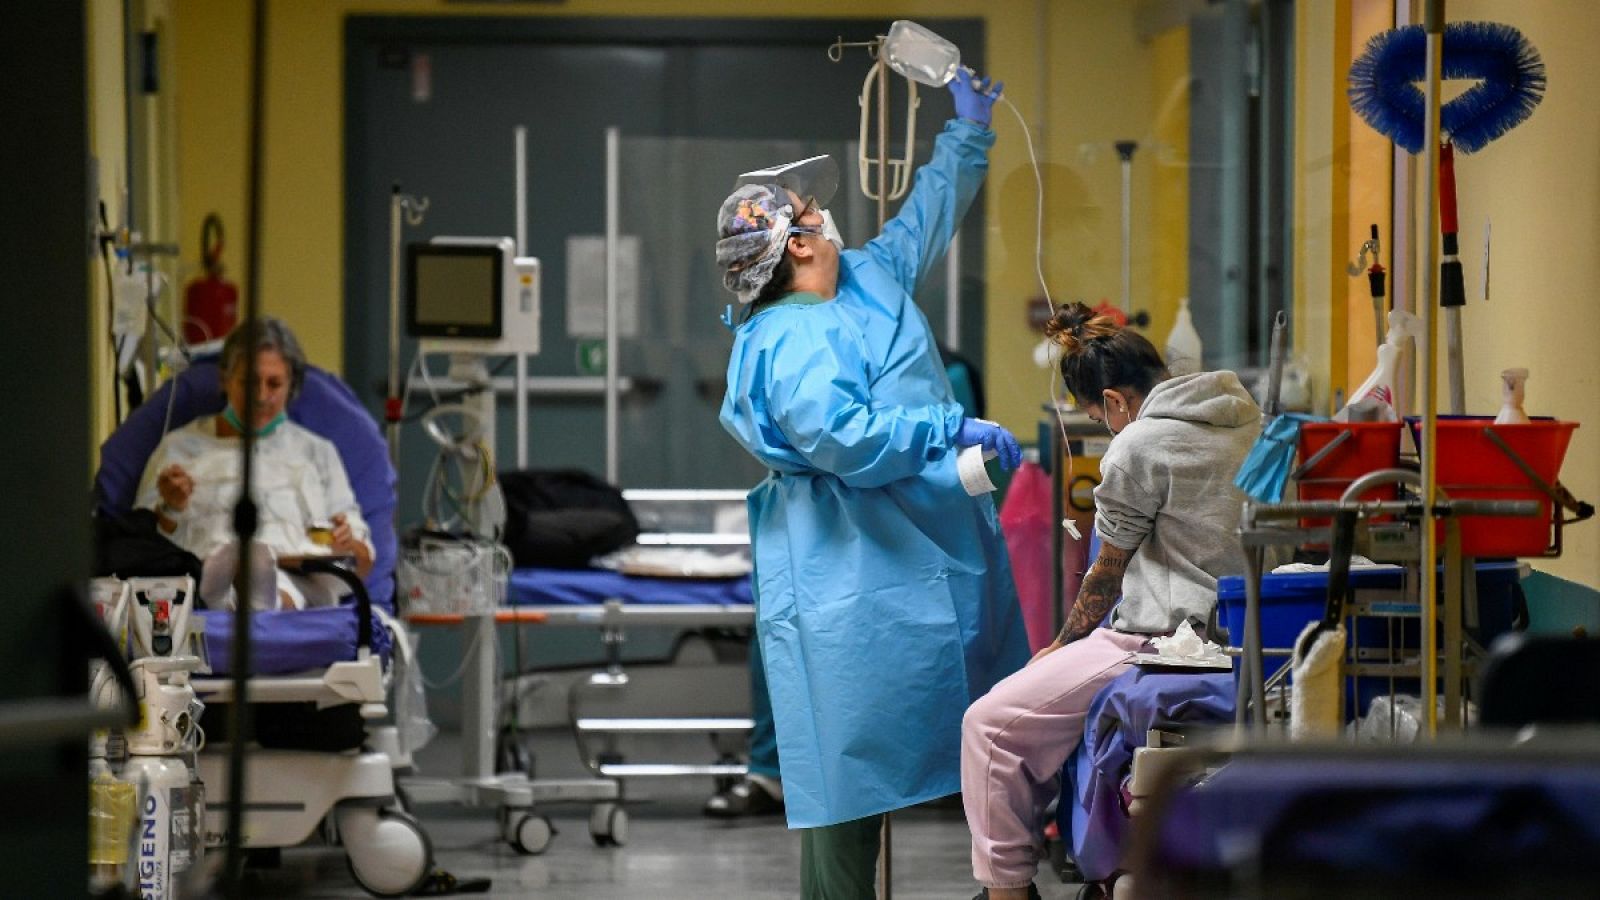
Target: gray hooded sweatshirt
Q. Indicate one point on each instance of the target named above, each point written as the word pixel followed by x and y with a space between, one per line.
pixel 1166 493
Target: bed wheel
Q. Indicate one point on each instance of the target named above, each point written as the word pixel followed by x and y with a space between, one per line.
pixel 530 835
pixel 388 852
pixel 608 825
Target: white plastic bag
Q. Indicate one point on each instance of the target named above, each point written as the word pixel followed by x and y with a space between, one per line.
pixel 453 576
pixel 410 695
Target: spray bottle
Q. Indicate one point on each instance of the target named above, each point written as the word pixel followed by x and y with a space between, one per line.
pixel 1512 384
pixel 171 803
pixel 1183 350
pixel 1374 399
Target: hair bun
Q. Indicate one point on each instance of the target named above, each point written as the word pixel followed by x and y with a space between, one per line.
pixel 1074 325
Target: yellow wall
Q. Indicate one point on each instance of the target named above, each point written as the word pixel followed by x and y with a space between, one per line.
pixel 1083 79
pixel 1316 118
pixel 1169 201
pixel 1096 88
pixel 1369 160
pixel 107 127
pixel 1540 185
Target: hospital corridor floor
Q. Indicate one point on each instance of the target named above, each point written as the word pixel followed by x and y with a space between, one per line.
pixel 673 852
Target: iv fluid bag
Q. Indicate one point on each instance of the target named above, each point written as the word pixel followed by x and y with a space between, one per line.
pixel 921 55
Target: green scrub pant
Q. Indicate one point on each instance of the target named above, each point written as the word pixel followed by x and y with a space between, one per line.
pixel 840 862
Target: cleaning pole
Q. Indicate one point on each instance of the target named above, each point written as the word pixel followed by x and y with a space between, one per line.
pixel 1452 282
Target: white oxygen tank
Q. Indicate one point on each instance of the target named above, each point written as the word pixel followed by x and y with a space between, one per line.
pixel 164 845
pixel 1184 352
pixel 170 811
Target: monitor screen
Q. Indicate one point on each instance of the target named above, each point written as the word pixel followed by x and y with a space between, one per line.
pixel 455 291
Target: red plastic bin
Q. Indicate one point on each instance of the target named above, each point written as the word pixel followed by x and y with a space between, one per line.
pixel 1472 466
pixel 1371 446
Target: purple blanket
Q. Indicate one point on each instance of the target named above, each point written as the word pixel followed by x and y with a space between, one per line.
pixel 1407 817
pixel 1138 700
pixel 291 641
pixel 586 587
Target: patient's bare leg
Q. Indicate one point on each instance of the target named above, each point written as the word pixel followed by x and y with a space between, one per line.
pixel 220 567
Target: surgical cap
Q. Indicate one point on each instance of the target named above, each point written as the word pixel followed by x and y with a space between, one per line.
pixel 752 229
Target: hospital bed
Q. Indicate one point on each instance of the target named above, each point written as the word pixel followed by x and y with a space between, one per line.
pixel 614 603
pixel 326 667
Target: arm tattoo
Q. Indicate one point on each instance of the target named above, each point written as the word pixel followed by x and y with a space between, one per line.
pixel 1099 592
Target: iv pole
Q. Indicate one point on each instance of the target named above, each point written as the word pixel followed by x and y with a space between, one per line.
pixel 404 209
pixel 894 175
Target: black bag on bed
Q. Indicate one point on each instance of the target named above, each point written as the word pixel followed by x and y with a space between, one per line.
pixel 131 545
pixel 561 519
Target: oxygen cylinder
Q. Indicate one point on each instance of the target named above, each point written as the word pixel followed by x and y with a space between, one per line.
pixel 164 847
pixel 168 825
pixel 111 805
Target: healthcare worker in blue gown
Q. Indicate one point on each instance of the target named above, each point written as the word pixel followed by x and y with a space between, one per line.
pixel 885 602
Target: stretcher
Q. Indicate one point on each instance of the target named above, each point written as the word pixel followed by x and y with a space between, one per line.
pixel 613 602
pixel 308 668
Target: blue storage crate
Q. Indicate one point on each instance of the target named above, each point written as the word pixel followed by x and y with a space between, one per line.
pixel 1291 600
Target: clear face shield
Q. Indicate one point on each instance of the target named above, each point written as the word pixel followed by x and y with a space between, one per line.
pixel 814 180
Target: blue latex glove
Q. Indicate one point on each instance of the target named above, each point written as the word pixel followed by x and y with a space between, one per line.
pixel 993 439
pixel 975 96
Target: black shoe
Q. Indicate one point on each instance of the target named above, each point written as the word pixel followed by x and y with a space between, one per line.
pixel 1033 893
pixel 744 798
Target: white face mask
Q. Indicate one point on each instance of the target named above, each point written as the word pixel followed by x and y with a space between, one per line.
pixel 831 232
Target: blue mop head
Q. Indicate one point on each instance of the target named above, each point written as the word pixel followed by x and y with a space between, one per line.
pixel 1384 92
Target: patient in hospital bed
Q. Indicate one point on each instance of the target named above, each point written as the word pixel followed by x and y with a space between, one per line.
pixel 306 506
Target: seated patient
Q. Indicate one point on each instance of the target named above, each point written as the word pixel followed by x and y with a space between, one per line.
pixel 305 503
pixel 1167 514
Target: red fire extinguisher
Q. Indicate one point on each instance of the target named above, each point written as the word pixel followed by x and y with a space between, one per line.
pixel 210 302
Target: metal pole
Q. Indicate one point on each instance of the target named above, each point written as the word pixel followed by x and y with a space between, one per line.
pixel 1060 478
pixel 613 163
pixel 1125 153
pixel 520 134
pixel 1452 343
pixel 521 403
pixel 244 512
pixel 1403 249
pixel 1254 664
pixel 1428 303
pixel 1452 625
pixel 883 137
pixel 392 425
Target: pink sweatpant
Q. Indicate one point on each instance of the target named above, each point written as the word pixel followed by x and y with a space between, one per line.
pixel 1014 741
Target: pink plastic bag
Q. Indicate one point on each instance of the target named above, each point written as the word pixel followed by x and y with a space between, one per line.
pixel 1025 520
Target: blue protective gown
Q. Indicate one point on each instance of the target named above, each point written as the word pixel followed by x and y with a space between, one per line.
pixel 885 603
